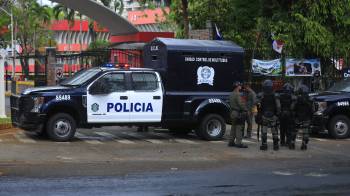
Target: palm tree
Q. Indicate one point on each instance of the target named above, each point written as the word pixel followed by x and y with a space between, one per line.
pixel 43 13
pixel 69 15
pixel 117 5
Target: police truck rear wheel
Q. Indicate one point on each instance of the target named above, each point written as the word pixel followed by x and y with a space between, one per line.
pixel 61 127
pixel 212 127
pixel 339 127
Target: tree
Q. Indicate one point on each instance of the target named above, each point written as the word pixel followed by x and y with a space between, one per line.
pixel 116 5
pixel 31 25
pixel 60 11
pixel 309 29
pixel 179 15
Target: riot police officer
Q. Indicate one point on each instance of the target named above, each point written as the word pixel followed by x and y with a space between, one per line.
pixel 238 117
pixel 270 109
pixel 303 114
pixel 287 100
pixel 251 102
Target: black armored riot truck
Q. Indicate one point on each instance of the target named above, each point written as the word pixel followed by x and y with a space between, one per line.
pixel 333 110
pixel 184 86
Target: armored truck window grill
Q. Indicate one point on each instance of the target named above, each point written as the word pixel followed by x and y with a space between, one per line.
pixel 144 81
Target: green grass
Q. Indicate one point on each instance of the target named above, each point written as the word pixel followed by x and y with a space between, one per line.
pixel 5 120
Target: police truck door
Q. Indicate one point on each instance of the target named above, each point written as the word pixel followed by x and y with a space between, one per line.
pixel 110 107
pixel 146 98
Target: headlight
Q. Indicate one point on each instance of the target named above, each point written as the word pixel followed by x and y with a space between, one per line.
pixel 321 107
pixel 38 102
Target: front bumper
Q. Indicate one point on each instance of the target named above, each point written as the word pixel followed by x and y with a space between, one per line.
pixel 24 119
pixel 319 122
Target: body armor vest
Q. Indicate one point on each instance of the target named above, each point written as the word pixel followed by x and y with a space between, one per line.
pixel 268 105
pixel 286 101
pixel 303 108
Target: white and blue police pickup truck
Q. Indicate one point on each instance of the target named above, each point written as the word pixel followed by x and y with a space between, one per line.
pixel 189 98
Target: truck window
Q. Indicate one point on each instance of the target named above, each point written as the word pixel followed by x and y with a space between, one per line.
pixel 144 81
pixel 80 77
pixel 115 81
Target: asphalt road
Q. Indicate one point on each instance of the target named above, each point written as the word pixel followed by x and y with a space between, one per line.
pixel 121 161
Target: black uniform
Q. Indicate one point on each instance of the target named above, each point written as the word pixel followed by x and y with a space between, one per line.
pixel 270 108
pixel 286 117
pixel 303 114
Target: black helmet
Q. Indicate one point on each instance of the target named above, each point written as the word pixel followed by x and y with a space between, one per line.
pixel 236 84
pixel 267 86
pixel 303 90
pixel 288 87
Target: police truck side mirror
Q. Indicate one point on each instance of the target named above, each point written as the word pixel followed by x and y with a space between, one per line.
pixel 99 87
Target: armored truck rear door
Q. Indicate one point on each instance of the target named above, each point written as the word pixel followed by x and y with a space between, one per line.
pixel 146 98
pixel 113 106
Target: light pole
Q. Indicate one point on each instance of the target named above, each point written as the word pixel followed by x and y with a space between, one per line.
pixel 12 42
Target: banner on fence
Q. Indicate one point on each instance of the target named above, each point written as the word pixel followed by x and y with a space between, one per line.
pixel 267 67
pixel 302 67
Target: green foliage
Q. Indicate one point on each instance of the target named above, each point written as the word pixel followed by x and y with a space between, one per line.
pixel 116 5
pixel 31 27
pixel 62 12
pixel 5 120
pixel 98 44
pixel 309 29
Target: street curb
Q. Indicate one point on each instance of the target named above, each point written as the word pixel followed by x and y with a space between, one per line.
pixel 5 126
pixel 8 131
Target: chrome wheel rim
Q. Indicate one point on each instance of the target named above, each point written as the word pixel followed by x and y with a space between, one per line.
pixel 214 127
pixel 62 128
pixel 341 128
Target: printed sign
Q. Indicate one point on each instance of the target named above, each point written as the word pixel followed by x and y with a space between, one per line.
pixel 59 72
pixel 267 67
pixel 205 75
pixel 302 67
pixel 206 59
pixel 346 72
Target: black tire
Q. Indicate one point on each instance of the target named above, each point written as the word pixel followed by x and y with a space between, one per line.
pixel 211 127
pixel 339 127
pixel 61 127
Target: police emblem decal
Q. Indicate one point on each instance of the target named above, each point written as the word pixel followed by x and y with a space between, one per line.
pixel 95 107
pixel 205 75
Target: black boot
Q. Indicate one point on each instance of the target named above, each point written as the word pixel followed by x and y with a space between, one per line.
pixel 263 146
pixel 231 144
pixel 241 146
pixel 291 146
pixel 303 146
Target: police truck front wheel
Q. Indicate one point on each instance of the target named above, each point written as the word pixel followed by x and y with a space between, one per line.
pixel 61 127
pixel 211 127
pixel 339 127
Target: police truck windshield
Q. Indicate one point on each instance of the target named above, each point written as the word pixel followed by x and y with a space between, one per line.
pixel 80 77
pixel 343 86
